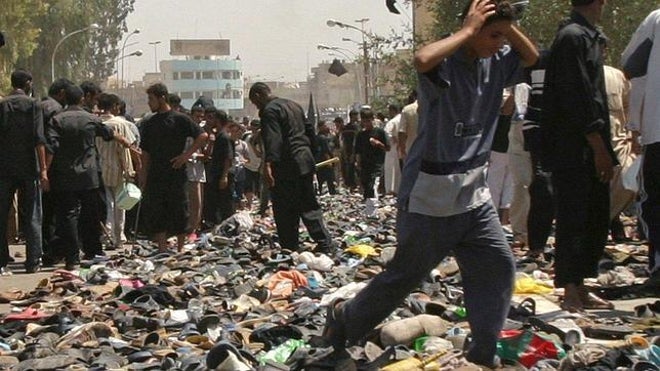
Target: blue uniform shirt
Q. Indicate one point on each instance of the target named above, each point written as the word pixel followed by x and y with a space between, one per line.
pixel 459 103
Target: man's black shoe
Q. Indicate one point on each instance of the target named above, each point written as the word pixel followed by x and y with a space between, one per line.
pixel 49 261
pixel 32 268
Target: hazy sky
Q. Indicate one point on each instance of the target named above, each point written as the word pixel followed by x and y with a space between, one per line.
pixel 276 39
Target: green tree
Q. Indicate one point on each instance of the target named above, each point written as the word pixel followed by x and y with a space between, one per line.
pixel 620 20
pixel 89 55
pixel 21 33
pixel 542 18
pixel 540 21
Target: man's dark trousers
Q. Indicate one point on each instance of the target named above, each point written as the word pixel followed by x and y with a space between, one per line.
pixel 368 175
pixel 583 206
pixel 326 175
pixel 218 203
pixel 487 268
pixel 48 224
pixel 264 198
pixel 294 198
pixel 79 215
pixel 541 206
pixel 349 173
pixel 30 205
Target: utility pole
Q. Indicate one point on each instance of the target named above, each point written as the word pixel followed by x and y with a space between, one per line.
pixel 367 62
pixel 155 44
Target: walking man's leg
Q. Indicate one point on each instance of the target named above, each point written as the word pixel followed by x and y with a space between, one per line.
pixel 92 211
pixel 541 209
pixel 31 205
pixel 7 189
pixel 423 242
pixel 286 214
pixel 487 269
pixel 312 215
pixel 67 212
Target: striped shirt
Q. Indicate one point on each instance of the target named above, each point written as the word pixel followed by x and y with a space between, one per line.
pixel 112 169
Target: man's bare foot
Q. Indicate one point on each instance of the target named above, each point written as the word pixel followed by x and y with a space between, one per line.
pixel 592 301
pixel 572 301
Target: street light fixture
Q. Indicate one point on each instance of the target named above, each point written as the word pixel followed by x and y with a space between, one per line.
pixel 123 47
pixel 92 26
pixel 351 40
pixel 137 53
pixel 333 23
pixel 155 44
pixel 337 49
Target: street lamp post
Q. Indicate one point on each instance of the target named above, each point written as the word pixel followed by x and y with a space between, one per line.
pixel 155 44
pixel 365 50
pixel 123 47
pixel 92 26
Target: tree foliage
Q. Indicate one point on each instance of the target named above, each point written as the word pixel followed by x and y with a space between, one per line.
pixel 89 55
pixel 540 22
pixel 541 19
pixel 18 15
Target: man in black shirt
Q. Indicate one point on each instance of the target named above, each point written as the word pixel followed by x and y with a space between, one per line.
pixel 540 216
pixel 76 177
pixel 22 167
pixel 91 92
pixel 163 176
pixel 50 106
pixel 347 142
pixel 325 144
pixel 577 139
pixel 220 184
pixel 289 168
pixel 371 145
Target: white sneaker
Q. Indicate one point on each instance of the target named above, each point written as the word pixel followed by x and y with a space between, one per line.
pixel 5 271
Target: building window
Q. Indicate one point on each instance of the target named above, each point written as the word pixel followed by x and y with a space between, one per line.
pixel 237 75
pixel 187 95
pixel 198 75
pixel 187 75
pixel 226 75
pixel 208 94
pixel 175 76
pixel 238 94
pixel 208 75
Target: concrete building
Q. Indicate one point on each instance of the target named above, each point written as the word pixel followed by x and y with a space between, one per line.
pixel 336 91
pixel 204 68
pixel 329 91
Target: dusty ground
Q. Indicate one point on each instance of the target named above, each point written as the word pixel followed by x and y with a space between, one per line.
pixel 27 282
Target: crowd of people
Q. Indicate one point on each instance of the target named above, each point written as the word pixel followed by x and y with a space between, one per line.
pixel 497 133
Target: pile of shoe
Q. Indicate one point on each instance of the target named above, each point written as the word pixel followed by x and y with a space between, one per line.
pixel 235 300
